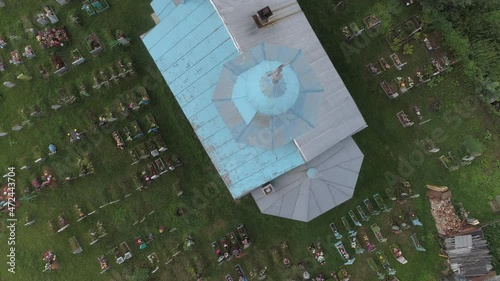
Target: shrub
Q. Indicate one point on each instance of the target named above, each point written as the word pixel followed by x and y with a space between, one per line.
pixel 396 44
pixel 407 49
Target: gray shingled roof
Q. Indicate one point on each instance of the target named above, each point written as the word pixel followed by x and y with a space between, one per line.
pixel 315 187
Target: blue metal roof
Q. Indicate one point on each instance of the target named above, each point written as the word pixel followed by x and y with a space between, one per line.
pixel 268 96
pixel 190 46
pixel 162 8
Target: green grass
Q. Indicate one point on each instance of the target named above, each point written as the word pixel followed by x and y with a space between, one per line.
pixel 211 212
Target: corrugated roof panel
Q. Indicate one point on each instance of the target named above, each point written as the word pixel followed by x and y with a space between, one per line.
pixel 183 59
pixel 199 103
pixel 267 173
pixel 169 23
pixel 189 31
pixel 463 241
pixel 197 89
pixel 209 128
pixel 217 140
pixel 199 120
pixel 202 67
pixel 313 208
pixel 289 209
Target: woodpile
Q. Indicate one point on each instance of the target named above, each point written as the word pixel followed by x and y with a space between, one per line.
pixel 447 220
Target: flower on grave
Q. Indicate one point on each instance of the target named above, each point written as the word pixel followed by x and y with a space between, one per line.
pixel 353 244
pixel 119 34
pixel 86 7
pixel 346 32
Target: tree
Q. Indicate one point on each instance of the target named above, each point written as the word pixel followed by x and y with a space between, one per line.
pixel 490 90
pixel 472 30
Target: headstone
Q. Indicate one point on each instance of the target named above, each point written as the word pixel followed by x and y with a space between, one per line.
pixel 42 20
pixel 23 76
pixel 2 4
pixel 2 134
pixel 51 15
pixel 123 41
pixel 17 128
pixel 28 52
pixel 36 114
pixel 55 106
pixel 9 84
pixel 78 61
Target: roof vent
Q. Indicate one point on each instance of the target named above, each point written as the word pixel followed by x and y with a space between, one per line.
pixel 262 16
pixel 267 189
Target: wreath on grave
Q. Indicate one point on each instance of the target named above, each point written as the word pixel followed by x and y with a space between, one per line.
pixel 85 165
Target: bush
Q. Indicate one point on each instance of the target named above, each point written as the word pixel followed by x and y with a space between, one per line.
pixel 407 49
pixel 396 44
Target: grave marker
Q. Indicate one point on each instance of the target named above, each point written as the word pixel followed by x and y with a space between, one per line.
pixel 42 19
pixel 9 84
pixel 23 76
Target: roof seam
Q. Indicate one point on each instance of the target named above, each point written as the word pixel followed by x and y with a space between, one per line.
pixel 180 22
pixel 266 166
pixel 356 172
pixel 188 86
pixel 200 60
pixel 201 41
pixel 336 183
pixel 298 195
pixel 338 164
pixel 315 200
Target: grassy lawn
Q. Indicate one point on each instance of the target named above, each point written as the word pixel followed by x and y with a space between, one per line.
pixel 390 150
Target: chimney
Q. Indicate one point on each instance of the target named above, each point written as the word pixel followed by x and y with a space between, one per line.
pixel 262 17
